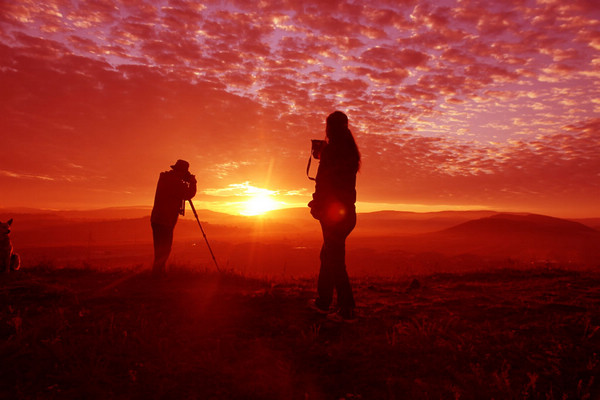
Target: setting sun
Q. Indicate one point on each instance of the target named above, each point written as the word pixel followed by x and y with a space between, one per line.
pixel 247 199
pixel 259 204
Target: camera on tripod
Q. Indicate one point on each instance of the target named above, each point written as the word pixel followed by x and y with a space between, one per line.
pixel 189 177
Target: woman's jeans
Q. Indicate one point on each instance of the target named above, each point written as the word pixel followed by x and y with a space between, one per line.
pixel 333 263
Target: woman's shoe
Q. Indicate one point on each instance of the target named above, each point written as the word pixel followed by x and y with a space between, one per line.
pixel 314 305
pixel 347 315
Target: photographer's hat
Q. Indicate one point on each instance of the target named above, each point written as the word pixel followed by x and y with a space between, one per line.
pixel 181 165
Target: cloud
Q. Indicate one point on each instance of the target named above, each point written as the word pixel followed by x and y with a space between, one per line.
pixel 17 175
pixel 385 58
pixel 454 103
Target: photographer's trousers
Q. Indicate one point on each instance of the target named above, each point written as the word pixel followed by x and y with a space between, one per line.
pixel 333 272
pixel 163 240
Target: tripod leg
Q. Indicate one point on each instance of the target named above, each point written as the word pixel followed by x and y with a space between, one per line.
pixel 203 234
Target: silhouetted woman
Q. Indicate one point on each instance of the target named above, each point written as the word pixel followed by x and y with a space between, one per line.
pixel 333 205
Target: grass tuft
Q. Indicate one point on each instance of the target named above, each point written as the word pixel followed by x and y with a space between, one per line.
pixel 195 333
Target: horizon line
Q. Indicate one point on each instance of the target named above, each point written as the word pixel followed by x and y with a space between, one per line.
pixel 436 210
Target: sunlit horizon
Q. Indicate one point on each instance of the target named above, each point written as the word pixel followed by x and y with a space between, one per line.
pixel 259 204
pixel 246 208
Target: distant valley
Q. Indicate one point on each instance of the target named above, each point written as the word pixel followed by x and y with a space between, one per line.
pixel 287 242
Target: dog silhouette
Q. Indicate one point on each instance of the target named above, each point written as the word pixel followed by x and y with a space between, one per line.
pixel 9 261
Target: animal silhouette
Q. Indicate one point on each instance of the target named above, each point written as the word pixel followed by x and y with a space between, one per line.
pixel 9 261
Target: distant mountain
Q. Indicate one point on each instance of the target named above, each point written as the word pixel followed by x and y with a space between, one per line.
pixel 132 225
pixel 380 223
pixel 521 236
pixel 97 214
pixel 502 224
pixel 406 223
pixel 591 222
pixel 288 213
pixel 484 233
pixel 410 215
pixel 383 242
pixel 42 217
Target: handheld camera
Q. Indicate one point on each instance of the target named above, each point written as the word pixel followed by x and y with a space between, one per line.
pixel 317 147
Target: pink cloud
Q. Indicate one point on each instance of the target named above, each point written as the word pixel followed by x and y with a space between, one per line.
pixel 386 58
pixel 449 104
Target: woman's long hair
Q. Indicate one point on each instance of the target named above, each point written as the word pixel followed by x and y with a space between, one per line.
pixel 341 139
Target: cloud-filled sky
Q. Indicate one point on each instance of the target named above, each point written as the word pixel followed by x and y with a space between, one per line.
pixel 454 104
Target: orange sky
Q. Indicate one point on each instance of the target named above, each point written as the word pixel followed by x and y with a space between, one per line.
pixel 454 104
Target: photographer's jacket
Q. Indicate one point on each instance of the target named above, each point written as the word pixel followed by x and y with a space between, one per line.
pixel 335 188
pixel 171 192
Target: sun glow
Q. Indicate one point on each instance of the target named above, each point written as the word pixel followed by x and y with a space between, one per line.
pixel 259 204
pixel 244 199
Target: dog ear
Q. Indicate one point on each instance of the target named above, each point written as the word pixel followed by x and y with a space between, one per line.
pixel 9 222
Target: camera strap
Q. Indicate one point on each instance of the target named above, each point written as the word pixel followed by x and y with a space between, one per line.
pixel 308 168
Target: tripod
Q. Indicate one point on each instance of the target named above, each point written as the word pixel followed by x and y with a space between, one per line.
pixel 204 234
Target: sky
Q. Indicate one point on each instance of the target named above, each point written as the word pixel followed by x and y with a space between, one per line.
pixel 462 104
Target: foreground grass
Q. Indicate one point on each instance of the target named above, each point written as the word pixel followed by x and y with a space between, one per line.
pixel 503 335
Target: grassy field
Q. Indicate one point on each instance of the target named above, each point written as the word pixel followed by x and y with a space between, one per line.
pixel 76 333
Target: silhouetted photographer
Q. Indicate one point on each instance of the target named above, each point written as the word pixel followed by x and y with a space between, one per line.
pixel 333 205
pixel 174 188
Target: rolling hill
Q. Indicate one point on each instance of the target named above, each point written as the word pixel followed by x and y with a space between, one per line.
pixel 385 242
pixel 522 236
